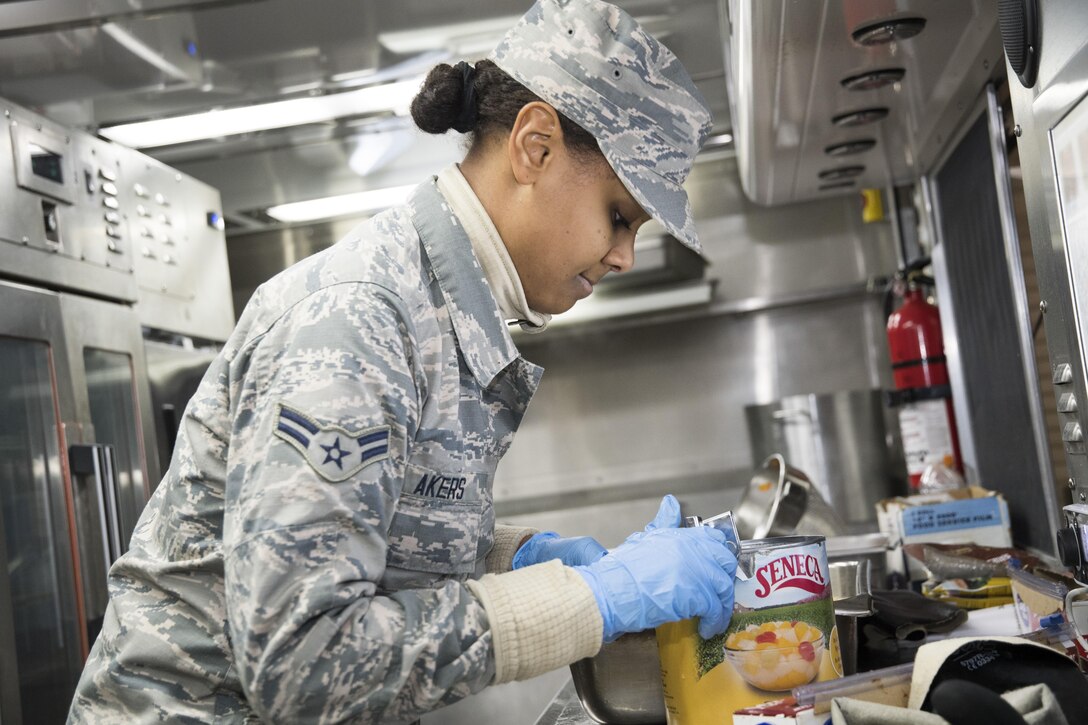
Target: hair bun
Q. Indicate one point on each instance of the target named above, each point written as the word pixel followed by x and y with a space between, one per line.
pixel 437 106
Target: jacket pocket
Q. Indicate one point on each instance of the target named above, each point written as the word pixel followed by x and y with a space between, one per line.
pixel 437 536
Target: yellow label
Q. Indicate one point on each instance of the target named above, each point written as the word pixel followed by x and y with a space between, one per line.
pixel 705 681
pixel 836 656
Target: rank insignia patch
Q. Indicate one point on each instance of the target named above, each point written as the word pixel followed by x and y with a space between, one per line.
pixel 334 452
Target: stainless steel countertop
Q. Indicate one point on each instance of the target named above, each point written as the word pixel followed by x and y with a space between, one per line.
pixel 565 709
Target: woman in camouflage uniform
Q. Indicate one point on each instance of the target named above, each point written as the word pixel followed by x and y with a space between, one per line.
pixel 323 547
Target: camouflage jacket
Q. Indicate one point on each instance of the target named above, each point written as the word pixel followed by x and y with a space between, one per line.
pixel 304 558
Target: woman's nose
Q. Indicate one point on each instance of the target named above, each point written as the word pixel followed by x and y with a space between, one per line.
pixel 621 257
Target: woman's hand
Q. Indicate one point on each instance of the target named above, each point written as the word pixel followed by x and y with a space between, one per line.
pixel 547 545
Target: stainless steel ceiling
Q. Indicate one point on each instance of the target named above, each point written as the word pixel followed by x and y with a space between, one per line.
pixel 88 64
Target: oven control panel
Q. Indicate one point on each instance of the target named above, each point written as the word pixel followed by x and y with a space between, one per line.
pixel 83 214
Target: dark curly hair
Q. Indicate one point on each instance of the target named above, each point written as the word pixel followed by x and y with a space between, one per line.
pixel 437 107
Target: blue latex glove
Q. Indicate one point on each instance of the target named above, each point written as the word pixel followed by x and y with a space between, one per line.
pixel 668 517
pixel 664 574
pixel 548 545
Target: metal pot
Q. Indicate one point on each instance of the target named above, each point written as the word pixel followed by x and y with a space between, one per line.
pixel 847 442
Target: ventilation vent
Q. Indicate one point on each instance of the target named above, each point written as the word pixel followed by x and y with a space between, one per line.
pixel 861 117
pixel 841 173
pixel 874 79
pixel 847 148
pixel 887 31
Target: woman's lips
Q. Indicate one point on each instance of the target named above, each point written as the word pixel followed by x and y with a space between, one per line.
pixel 587 286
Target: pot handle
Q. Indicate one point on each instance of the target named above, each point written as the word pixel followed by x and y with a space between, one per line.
pixel 779 492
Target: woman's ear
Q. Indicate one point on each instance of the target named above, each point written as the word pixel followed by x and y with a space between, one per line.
pixel 534 140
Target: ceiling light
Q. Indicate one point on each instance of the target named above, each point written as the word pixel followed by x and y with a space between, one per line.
pixel 362 202
pixel 395 97
pixel 636 303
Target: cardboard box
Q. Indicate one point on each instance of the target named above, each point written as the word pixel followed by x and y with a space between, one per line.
pixel 968 515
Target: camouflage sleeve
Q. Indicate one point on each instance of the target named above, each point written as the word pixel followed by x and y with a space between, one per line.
pixel 325 403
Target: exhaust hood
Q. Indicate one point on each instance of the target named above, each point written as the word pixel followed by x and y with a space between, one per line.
pixel 833 96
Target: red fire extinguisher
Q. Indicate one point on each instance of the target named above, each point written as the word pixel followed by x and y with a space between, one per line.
pixel 922 394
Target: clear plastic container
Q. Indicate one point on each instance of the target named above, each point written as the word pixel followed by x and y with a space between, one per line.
pixel 938 477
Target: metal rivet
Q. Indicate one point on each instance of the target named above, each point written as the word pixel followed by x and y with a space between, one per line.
pixel 1016 130
pixel 1072 483
pixel 1083 496
pixel 1043 306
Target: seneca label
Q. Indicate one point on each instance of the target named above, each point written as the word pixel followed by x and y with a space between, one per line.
pixel 782 575
pixel 796 571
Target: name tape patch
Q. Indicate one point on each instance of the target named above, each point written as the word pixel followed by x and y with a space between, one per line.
pixel 436 485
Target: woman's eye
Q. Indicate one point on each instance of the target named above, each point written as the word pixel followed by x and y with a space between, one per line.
pixel 619 221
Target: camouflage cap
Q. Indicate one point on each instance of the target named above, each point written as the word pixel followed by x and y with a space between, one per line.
pixel 599 68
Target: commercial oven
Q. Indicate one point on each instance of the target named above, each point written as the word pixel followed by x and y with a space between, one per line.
pixel 100 247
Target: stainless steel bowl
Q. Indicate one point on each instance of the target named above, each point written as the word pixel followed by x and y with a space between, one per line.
pixel 622 684
pixel 781 500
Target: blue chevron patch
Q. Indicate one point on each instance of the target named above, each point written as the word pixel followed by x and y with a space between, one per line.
pixel 334 451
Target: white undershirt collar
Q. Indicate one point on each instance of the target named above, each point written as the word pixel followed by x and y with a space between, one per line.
pixel 502 277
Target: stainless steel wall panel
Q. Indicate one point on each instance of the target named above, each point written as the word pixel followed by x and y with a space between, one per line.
pixel 643 411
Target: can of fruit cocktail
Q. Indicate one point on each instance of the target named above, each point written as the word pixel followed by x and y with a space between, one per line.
pixel 782 635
